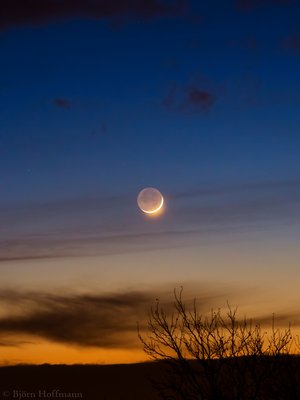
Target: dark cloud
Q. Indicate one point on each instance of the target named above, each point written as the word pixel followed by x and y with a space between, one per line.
pixel 84 320
pixel 291 44
pixel 13 343
pixel 62 103
pixel 108 321
pixel 34 12
pixel 189 99
pixel 28 256
pixel 198 99
pixel 282 319
pixel 250 5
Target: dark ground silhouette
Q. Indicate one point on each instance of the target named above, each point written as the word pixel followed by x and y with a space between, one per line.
pixel 118 382
pixel 94 382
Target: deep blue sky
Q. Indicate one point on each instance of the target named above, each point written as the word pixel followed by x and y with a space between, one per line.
pixel 102 106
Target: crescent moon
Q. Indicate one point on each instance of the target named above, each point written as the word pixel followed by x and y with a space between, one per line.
pixel 157 209
pixel 150 201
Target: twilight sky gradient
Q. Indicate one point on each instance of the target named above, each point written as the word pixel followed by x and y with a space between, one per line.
pixel 100 99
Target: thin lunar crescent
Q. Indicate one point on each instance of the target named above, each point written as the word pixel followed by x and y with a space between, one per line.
pixel 157 209
pixel 150 200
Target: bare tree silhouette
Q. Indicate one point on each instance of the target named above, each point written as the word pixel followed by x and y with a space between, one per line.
pixel 215 356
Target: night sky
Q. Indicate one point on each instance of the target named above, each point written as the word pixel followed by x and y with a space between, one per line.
pixel 99 99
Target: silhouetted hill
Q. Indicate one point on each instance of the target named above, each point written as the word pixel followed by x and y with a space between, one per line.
pixel 114 382
pixel 103 382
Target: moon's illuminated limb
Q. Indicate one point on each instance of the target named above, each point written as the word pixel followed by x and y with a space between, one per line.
pixel 150 201
pixel 156 210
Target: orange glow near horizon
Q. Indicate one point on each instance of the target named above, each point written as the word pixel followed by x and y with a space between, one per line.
pixel 245 265
pixel 53 353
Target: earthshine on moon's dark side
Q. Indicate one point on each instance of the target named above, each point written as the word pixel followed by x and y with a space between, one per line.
pixel 150 200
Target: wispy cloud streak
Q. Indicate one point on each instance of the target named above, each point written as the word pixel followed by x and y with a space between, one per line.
pixel 113 225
